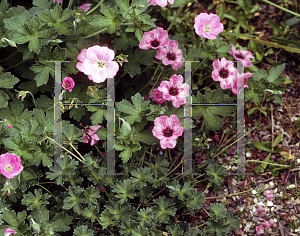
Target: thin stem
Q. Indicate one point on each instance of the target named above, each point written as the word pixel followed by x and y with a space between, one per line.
pixel 47 191
pixel 92 35
pixel 99 152
pixel 101 185
pixel 95 8
pixel 150 79
pixel 70 4
pixel 77 151
pixel 19 63
pixel 268 163
pixel 282 8
pixel 233 194
pixel 32 98
pixel 11 55
pixel 177 14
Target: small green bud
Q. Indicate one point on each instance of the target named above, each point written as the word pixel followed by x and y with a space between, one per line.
pixel 35 226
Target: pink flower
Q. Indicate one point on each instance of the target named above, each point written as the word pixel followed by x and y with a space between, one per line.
pixel 91 134
pixel 208 26
pixel 167 129
pixel 10 165
pixel 259 229
pixel 268 194
pixel 58 1
pixel 68 83
pixel 268 224
pixel 154 39
pixel 101 189
pixel 8 232
pixel 261 209
pixel 240 79
pixel 225 72
pixel 171 54
pixel 161 3
pixel 96 62
pixel 158 96
pixel 242 55
pixel 9 126
pixel 175 90
pixel 86 6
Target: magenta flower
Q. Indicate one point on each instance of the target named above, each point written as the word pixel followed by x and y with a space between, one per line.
pixel 68 83
pixel 58 1
pixel 86 7
pixel 208 26
pixel 161 3
pixel 268 224
pixel 259 230
pixel 158 96
pixel 240 79
pixel 242 55
pixel 96 62
pixel 225 72
pixel 10 165
pixel 261 209
pixel 171 54
pixel 101 189
pixel 154 39
pixel 9 126
pixel 91 134
pixel 174 90
pixel 167 129
pixel 8 232
pixel 268 194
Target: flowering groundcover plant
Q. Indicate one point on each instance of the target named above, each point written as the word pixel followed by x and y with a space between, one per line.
pixel 97 42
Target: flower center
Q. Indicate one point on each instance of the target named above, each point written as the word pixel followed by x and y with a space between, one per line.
pixel 67 85
pixel 171 56
pixel 206 29
pixel 223 73
pixel 8 168
pixel 168 132
pixel 239 56
pixel 155 43
pixel 101 64
pixel 173 91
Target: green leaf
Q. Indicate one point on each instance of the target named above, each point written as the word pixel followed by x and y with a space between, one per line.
pixel 3 99
pixel 125 41
pixel 234 222
pixel 261 146
pixel 83 230
pixel 278 99
pixel 230 16
pixel 196 201
pixel 142 175
pixel 75 199
pixel 110 19
pixel 100 113
pixel 260 74
pixel 217 228
pixel 278 140
pixel 186 190
pixel 275 72
pixel 221 11
pixel 218 211
pixel 216 173
pixel 224 48
pixel 145 216
pixel 36 201
pixel 124 190
pixel 266 161
pixel 123 5
pixel 60 222
pixel 106 219
pixel 159 166
pixel 7 80
pixel 292 21
pixel 163 209
pixel 135 111
pixel 77 113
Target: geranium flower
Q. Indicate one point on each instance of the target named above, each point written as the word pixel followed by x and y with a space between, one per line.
pixel 242 55
pixel 225 72
pixel 9 126
pixel 268 224
pixel 259 229
pixel 68 83
pixel 96 62
pixel 174 90
pixel 261 209
pixel 91 134
pixel 167 129
pixel 154 39
pixel 158 96
pixel 242 77
pixel 268 194
pixel 8 232
pixel 86 7
pixel 171 54
pixel 58 1
pixel 208 26
pixel 10 165
pixel 161 3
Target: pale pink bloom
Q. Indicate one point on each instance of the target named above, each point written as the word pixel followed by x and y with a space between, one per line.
pixel 154 39
pixel 8 232
pixel 208 26
pixel 268 194
pixel 158 96
pixel 240 79
pixel 96 62
pixel 10 165
pixel 167 129
pixel 9 126
pixel 86 6
pixel 225 72
pixel 161 3
pixel 242 55
pixel 261 209
pixel 174 90
pixel 268 224
pixel 171 54
pixel 58 1
pixel 68 83
pixel 259 230
pixel 91 134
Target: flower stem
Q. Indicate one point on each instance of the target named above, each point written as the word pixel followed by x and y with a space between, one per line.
pixel 268 163
pixel 19 63
pixel 95 8
pixel 70 4
pixel 77 151
pixel 101 185
pixel 92 35
pixel 177 14
pixel 282 8
pixel 11 55
pixel 47 191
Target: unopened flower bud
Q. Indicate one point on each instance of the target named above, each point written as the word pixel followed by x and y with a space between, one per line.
pixel 35 226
